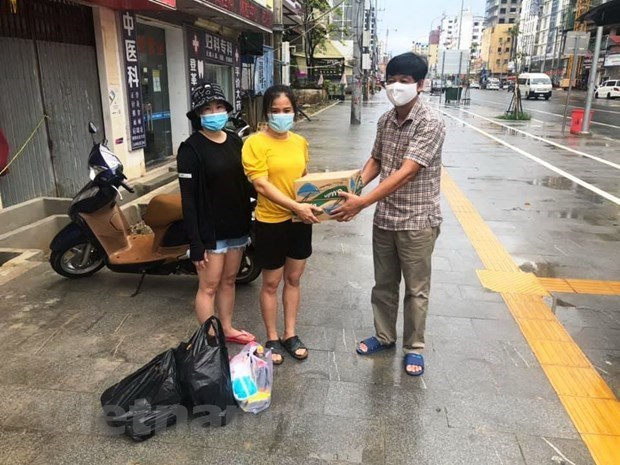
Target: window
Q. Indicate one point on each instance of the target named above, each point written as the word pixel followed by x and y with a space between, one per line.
pixel 508 40
pixel 499 49
pixel 504 2
pixel 498 61
pixel 511 20
pixel 502 21
pixel 513 10
pixel 502 11
pixel 507 49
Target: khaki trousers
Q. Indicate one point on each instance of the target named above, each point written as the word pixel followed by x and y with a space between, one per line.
pixel 407 254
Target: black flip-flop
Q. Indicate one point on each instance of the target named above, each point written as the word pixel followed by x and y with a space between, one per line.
pixel 275 347
pixel 292 345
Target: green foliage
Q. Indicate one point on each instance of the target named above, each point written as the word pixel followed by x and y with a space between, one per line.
pixel 520 116
pixel 316 29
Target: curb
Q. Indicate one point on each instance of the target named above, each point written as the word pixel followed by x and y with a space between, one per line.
pixel 24 262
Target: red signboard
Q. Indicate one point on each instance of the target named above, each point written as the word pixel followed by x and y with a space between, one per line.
pixel 137 5
pixel 246 9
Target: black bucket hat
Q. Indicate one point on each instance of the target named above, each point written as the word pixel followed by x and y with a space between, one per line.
pixel 204 94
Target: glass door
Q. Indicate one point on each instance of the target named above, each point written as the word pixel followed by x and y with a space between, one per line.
pixel 155 97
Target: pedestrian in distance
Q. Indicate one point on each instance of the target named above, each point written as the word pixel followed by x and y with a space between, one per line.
pixel 273 159
pixel 407 157
pixel 215 195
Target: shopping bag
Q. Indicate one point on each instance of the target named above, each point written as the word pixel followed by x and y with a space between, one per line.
pixel 252 378
pixel 143 420
pixel 204 370
pixel 146 399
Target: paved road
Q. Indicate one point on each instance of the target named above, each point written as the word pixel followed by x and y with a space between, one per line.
pixel 606 112
pixel 507 381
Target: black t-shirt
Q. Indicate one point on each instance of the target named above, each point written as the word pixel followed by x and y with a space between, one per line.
pixel 214 190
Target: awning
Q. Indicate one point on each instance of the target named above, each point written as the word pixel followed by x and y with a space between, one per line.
pixel 236 14
pixel 603 15
pixel 136 5
pixel 328 51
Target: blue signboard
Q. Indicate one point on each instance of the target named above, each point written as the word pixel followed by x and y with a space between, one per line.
pixel 263 70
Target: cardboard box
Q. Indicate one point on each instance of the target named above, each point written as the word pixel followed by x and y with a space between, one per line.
pixel 322 189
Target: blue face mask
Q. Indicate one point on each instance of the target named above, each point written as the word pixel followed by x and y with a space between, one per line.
pixel 281 122
pixel 214 121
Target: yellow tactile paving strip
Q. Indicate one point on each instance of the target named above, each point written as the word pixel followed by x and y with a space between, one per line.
pixel 589 402
pixel 581 286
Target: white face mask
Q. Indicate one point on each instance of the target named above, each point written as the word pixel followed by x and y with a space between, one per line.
pixel 401 94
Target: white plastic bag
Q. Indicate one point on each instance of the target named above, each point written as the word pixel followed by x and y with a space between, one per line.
pixel 252 378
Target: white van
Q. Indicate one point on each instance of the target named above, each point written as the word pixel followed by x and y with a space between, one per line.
pixel 535 85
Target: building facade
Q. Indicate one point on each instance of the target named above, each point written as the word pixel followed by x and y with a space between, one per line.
pixel 131 72
pixel 420 48
pixel 464 32
pixel 502 12
pixel 433 50
pixel 497 42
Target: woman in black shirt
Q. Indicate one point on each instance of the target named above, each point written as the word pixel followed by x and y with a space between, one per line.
pixel 216 206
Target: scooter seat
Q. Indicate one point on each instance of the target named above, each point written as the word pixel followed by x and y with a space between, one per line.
pixel 163 210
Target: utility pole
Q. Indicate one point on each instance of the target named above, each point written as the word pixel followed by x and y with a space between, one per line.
pixel 458 46
pixel 356 95
pixel 570 84
pixel 278 29
pixel 585 127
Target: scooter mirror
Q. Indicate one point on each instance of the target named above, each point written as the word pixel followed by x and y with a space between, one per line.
pixel 92 128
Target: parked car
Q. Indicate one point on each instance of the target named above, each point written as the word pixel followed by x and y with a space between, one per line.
pixel 436 86
pixel 535 85
pixel 474 84
pixel 493 84
pixel 608 89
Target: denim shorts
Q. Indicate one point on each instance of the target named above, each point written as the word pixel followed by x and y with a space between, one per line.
pixel 224 245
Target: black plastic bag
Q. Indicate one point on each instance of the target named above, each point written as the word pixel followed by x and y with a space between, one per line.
pixel 204 370
pixel 142 421
pixel 142 398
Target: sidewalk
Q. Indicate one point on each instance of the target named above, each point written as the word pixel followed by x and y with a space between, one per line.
pixel 485 398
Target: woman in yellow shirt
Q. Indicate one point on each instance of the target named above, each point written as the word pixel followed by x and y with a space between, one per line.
pixel 273 160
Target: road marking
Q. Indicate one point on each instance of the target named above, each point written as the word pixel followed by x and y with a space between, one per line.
pixel 546 141
pixel 561 172
pixel 555 114
pixel 591 405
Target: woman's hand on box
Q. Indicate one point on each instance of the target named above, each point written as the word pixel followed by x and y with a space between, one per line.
pixel 353 204
pixel 306 213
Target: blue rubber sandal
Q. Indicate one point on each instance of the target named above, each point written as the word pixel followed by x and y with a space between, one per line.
pixel 415 360
pixel 373 345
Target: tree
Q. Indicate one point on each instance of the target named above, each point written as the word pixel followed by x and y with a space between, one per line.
pixel 316 29
pixel 515 108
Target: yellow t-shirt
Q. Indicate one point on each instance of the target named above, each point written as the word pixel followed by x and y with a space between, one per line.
pixel 283 161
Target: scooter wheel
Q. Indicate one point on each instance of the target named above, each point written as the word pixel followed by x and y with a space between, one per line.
pixel 249 270
pixel 78 261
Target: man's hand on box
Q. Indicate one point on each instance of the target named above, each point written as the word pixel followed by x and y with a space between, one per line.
pixel 353 204
pixel 306 213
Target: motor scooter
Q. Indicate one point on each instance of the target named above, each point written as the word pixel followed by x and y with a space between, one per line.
pixel 99 234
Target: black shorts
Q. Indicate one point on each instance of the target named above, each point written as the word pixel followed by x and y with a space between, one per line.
pixel 275 242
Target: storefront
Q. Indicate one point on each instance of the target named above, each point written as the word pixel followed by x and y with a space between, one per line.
pixel 214 58
pixel 49 91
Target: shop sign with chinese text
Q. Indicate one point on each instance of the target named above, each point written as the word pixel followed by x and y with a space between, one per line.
pixel 132 80
pixel 204 47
